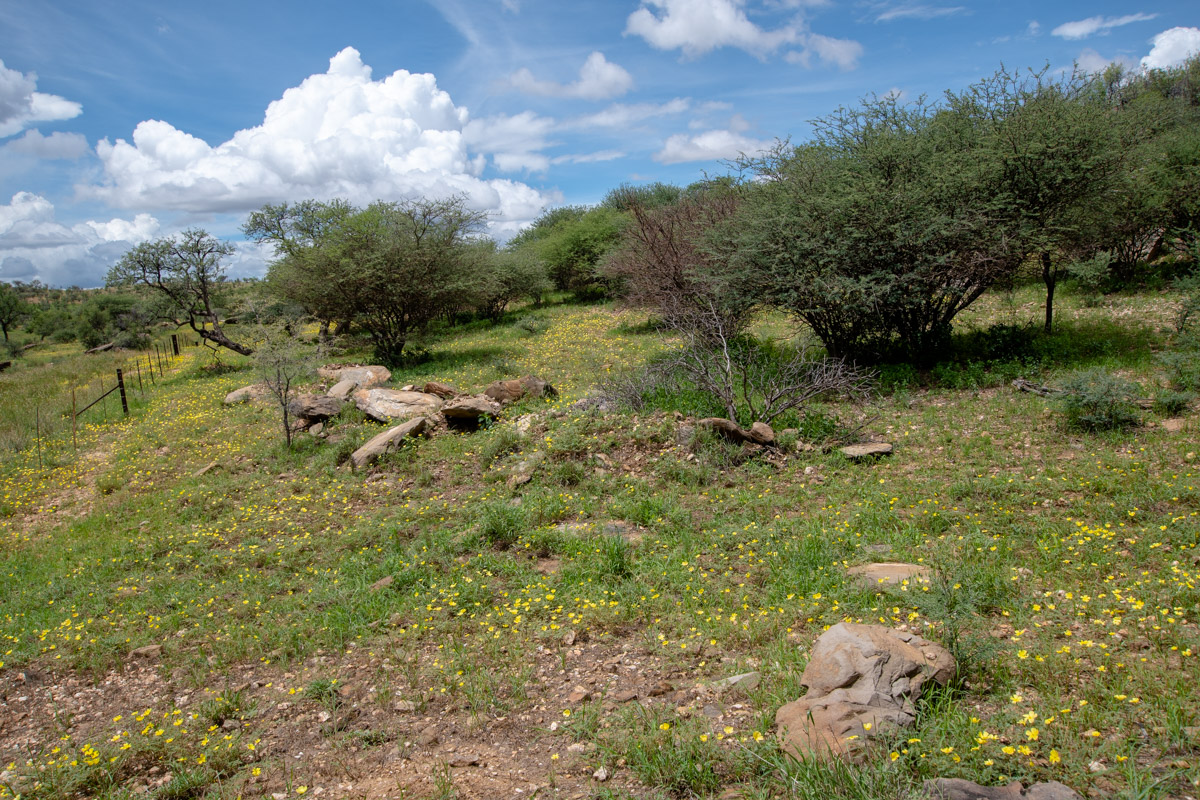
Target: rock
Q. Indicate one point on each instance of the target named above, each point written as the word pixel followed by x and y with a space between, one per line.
pixel 256 391
pixel 601 774
pixel 342 389
pixel 762 433
pixel 745 682
pixel 404 706
pixel 626 696
pixel 367 377
pixel 1174 425
pixel 727 428
pixel 207 468
pixel 579 694
pixel 863 681
pixel 865 450
pixel 442 390
pixel 389 405
pixel 149 651
pixel 314 407
pixel 505 392
pixel 104 348
pixel 386 442
pixel 428 737
pixel 382 583
pixel 471 411
pixel 959 789
pixel 463 760
pixel 889 574
pixel 318 429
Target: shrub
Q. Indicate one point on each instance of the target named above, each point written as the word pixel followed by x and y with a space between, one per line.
pixel 532 325
pixel 1173 403
pixel 1095 400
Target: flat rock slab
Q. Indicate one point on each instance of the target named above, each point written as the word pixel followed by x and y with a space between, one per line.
pixel 367 377
pixel 471 409
pixel 342 389
pixel 506 392
pixel 863 682
pixel 959 789
pixel 390 405
pixel 889 574
pixel 442 390
pixel 866 450
pixel 256 391
pixel 315 407
pixel 387 442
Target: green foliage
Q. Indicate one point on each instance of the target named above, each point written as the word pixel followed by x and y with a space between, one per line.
pixel 1173 403
pixel 12 308
pixel 501 524
pixel 1097 400
pixel 572 242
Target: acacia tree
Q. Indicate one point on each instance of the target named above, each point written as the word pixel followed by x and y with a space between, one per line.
pixel 12 308
pixel 186 275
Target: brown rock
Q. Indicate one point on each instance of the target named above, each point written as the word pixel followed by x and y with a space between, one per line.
pixel 257 391
pixel 1174 425
pixel 367 377
pixel 865 450
pixel 727 428
pixel 149 651
pixel 342 389
pixel 314 407
pixel 762 433
pixel 505 392
pixel 888 574
pixel 442 390
pixel 471 410
pixel 959 789
pixel 863 681
pixel 463 760
pixel 390 405
pixel 386 442
pixel 579 694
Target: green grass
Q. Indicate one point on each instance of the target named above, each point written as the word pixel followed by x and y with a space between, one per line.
pixel 1066 561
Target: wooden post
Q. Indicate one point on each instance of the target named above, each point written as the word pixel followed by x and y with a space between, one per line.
pixel 74 440
pixel 121 389
pixel 137 362
pixel 175 344
pixel 158 355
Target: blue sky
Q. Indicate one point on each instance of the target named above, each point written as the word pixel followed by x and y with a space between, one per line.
pixel 125 121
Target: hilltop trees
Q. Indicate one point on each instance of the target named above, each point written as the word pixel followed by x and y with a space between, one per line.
pixel 185 274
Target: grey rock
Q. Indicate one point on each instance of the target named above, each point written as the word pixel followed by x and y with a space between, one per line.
pixel 314 407
pixel 959 789
pixel 364 377
pixel 386 442
pixel 256 391
pixel 342 389
pixel 390 405
pixel 471 410
pixel 865 450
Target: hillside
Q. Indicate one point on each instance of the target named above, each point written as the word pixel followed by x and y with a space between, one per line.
pixel 192 610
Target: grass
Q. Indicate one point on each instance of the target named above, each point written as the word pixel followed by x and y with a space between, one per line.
pixel 1067 564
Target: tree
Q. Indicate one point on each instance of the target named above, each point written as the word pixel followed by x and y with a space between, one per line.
pixel 12 308
pixel 573 241
pixel 281 361
pixel 879 232
pixel 186 275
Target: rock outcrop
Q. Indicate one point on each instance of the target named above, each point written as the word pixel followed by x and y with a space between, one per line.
pixel 505 392
pixel 308 409
pixel 863 681
pixel 390 405
pixel 367 377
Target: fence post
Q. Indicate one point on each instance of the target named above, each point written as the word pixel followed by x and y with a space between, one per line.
pixel 158 355
pixel 137 362
pixel 121 387
pixel 175 343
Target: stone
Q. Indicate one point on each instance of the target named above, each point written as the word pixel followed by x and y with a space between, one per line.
pixel 471 411
pixel 315 407
pixel 207 468
pixel 442 390
pixel 382 583
pixel 404 706
pixel 579 694
pixel 342 389
pixel 762 433
pixel 747 681
pixel 364 377
pixel 960 789
pixel 505 392
pixel 463 760
pixel 386 442
pixel 890 574
pixel 865 450
pixel 863 681
pixel 1174 425
pixel 601 774
pixel 149 651
pixel 727 428
pixel 256 391
pixel 390 405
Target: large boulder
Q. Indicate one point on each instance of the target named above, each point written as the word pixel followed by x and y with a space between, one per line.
pixel 314 407
pixel 387 442
pixel 505 392
pixel 863 681
pixel 389 405
pixel 364 377
pixel 471 411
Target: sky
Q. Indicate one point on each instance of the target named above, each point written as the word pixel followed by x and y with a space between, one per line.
pixel 123 121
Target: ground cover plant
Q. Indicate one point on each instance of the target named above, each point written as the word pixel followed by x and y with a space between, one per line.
pixel 192 609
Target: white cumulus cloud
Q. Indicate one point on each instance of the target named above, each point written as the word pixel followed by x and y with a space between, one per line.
pixel 623 115
pixel 1083 28
pixel 714 145
pixel 338 134
pixel 842 52
pixel 21 105
pixel 699 26
pixel 599 79
pixel 1172 47
pixel 57 145
pixel 34 245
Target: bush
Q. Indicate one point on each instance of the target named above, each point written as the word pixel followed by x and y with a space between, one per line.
pixel 532 325
pixel 1173 403
pixel 1095 400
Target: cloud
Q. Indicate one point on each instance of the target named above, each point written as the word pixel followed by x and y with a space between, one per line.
pixel 917 11
pixel 623 115
pixel 1091 61
pixel 1172 47
pixel 22 106
pixel 699 26
pixel 599 79
pixel 714 145
pixel 338 134
pixel 842 52
pixel 1033 28
pixel 1081 29
pixel 34 245
pixel 513 141
pixel 57 145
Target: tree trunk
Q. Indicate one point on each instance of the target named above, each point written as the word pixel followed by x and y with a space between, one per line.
pixel 1050 278
pixel 215 336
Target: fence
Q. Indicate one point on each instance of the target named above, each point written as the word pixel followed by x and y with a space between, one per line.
pixel 137 374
